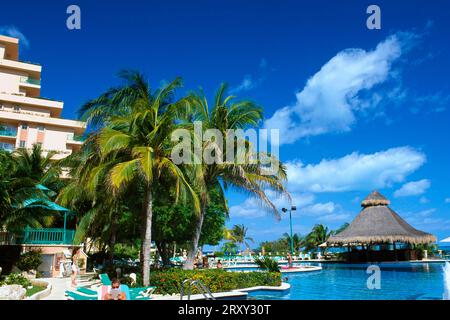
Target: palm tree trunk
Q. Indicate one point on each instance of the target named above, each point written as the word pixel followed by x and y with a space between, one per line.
pixel 189 264
pixel 113 238
pixel 164 252
pixel 147 240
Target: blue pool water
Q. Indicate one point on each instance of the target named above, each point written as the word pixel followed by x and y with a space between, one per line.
pixel 399 281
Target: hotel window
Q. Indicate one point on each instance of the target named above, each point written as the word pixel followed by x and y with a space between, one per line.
pixel 24 126
pixel 41 128
pixel 22 144
pixel 16 108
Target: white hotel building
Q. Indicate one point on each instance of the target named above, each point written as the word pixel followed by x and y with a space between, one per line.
pixel 25 117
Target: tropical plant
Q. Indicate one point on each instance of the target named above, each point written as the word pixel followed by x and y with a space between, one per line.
pixel 228 114
pixel 30 260
pixel 217 280
pixel 229 247
pixel 38 166
pixel 279 245
pixel 239 235
pixel 297 239
pixel 317 236
pixel 135 147
pixel 267 263
pixel 341 228
pixel 15 278
pixel 15 188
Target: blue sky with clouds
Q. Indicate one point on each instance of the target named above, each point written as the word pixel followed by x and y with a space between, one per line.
pixel 357 109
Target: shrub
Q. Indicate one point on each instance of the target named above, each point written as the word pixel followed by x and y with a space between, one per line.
pixel 15 278
pixel 217 280
pixel 30 260
pixel 268 264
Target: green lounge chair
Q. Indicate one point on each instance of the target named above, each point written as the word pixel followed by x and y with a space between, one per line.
pixel 135 293
pixel 141 293
pixel 104 278
pixel 87 291
pixel 78 296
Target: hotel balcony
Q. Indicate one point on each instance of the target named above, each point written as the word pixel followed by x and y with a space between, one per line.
pixel 44 236
pixel 26 117
pixel 31 81
pixel 29 67
pixel 75 139
pixel 55 107
pixel 32 86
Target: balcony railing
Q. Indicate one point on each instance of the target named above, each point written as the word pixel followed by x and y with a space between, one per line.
pixel 38 236
pixel 74 137
pixel 30 81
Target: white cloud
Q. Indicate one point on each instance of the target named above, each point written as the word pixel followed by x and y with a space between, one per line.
pixel 413 188
pixel 251 207
pixel 246 84
pixel 355 172
pixel 332 97
pixel 334 217
pixel 306 207
pixel 319 209
pixel 424 220
pixel 12 31
pixel 424 200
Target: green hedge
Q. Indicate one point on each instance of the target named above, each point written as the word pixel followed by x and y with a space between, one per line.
pixel 169 281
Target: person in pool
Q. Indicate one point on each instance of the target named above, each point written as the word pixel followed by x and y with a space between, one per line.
pixel 289 258
pixel 219 264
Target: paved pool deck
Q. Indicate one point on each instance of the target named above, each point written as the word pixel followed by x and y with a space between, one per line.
pixel 61 285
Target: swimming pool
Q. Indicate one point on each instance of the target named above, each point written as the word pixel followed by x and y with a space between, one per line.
pixel 399 281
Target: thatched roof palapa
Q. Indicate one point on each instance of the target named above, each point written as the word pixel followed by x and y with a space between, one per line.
pixel 377 223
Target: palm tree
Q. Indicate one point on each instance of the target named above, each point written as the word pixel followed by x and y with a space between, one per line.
pixel 18 180
pixel 228 234
pixel 239 235
pixel 39 168
pixel 229 247
pixel 227 114
pixel 341 228
pixel 317 236
pixel 97 211
pixel 298 240
pixel 135 148
pixel 6 190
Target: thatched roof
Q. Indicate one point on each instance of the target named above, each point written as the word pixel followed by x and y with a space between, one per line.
pixel 377 223
pixel 375 199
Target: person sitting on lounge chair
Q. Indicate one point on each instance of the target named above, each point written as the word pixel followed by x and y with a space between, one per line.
pixel 115 293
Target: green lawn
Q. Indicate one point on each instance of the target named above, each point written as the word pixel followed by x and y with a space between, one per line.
pixel 34 290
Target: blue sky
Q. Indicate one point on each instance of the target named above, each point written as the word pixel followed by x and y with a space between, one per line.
pixel 358 109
